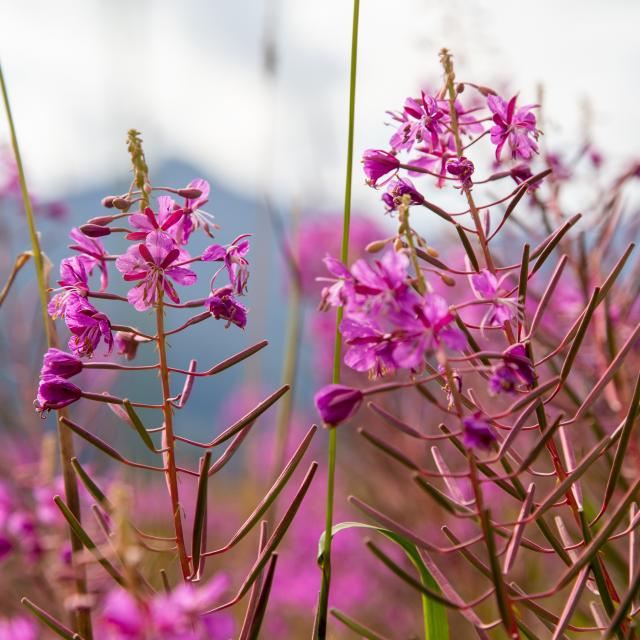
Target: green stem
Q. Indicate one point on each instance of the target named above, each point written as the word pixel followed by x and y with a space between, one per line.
pixel 320 631
pixel 172 475
pixel 82 617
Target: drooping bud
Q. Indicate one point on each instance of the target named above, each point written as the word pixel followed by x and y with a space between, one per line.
pixel 108 202
pixel 55 392
pixel 101 220
pixel 95 230
pixel 121 203
pixel 377 245
pixel 190 193
pixel 337 403
pixel 60 363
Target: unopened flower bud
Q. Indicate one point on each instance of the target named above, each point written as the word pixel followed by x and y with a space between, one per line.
pixel 101 220
pixel 337 403
pixel 190 193
pixel 94 230
pixel 376 245
pixel 121 203
pixel 486 91
pixel 108 202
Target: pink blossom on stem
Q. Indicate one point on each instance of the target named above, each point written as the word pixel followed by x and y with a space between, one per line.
pixel 515 127
pixel 153 263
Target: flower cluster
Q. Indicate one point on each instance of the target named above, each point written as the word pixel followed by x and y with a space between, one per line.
pixel 388 324
pixel 178 615
pixel 431 129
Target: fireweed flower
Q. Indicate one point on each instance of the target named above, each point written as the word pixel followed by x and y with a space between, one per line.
pixel 148 221
pixel 55 392
pixel 463 169
pixel 93 254
pixel 487 287
pixel 515 369
pixel 428 329
pixel 223 306
pixel 477 432
pixel 515 127
pixel 60 363
pixel 233 256
pixel 88 326
pixel 378 163
pixel 73 279
pixel 194 217
pixel 151 262
pixel 337 403
pixel 396 189
pixel 421 122
pixel 368 347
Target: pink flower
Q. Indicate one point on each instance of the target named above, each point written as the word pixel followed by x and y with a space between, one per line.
pixel 378 163
pixel 487 287
pixel 55 392
pixel 151 263
pixel 148 221
pixel 223 306
pixel 463 169
pixel 92 253
pixel 87 325
pixel 233 256
pixel 399 188
pixel 477 432
pixel 73 279
pixel 518 128
pixel 194 217
pixel 422 122
pixel 59 363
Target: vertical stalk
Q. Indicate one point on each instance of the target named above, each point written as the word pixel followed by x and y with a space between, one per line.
pixel 82 617
pixel 320 630
pixel 167 411
pixel 447 63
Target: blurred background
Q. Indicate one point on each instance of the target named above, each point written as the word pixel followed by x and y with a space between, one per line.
pixel 252 95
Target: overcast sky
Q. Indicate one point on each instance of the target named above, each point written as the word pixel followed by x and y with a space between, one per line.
pixel 189 74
